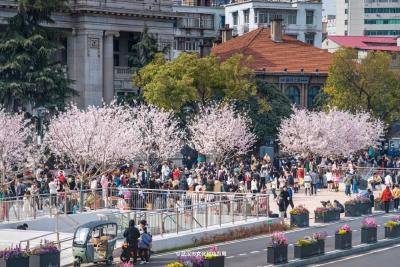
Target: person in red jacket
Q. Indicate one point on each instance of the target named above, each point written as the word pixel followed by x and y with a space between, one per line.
pixel 386 197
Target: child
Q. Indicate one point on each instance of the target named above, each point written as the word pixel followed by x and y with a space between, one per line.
pixel 144 246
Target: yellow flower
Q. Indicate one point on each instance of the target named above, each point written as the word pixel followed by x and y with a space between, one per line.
pixel 175 264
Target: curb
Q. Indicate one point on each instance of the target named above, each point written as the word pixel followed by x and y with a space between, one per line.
pixel 341 253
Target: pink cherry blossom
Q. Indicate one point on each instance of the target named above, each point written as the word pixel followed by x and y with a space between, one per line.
pixel 15 134
pixel 220 132
pixel 330 134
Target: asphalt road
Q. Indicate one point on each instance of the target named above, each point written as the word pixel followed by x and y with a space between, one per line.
pixel 252 251
pixel 380 257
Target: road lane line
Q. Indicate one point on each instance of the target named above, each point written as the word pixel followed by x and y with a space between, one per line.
pixel 243 254
pixel 255 251
pixel 230 257
pixel 356 256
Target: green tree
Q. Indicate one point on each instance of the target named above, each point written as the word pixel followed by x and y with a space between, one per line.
pixel 188 79
pixel 266 109
pixel 28 76
pixel 368 84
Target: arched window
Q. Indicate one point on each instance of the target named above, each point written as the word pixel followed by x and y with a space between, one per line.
pixel 293 93
pixel 313 91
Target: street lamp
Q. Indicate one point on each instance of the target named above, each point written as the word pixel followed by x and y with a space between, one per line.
pixel 41 113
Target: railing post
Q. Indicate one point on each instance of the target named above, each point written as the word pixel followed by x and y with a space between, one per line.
pixel 206 216
pixel 258 207
pixel 18 210
pixel 245 209
pixel 192 218
pixel 161 224
pixel 177 220
pixel 65 203
pixel 34 206
pixel 94 196
pixel 28 244
pixel 220 214
pixel 233 212
pixel 81 203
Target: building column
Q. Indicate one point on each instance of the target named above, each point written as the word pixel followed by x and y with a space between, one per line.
pixel 108 66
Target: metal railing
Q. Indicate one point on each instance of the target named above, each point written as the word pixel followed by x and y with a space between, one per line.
pixel 197 215
pixel 35 206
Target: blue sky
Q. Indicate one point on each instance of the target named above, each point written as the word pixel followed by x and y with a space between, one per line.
pixel 329 7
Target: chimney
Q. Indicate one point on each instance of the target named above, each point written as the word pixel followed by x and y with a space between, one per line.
pixel 276 30
pixel 226 33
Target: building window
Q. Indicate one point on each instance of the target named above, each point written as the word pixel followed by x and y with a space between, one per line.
pixel 246 17
pixel 311 95
pixel 116 60
pixel 346 33
pixel 235 18
pixel 346 11
pixel 382 32
pixel 293 93
pixel 345 22
pixel 309 38
pixel 382 21
pixel 116 45
pixel 309 17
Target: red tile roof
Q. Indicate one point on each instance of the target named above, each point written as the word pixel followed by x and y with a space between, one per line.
pixel 290 54
pixel 367 43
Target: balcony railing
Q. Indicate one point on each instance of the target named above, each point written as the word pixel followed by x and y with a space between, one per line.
pixel 196 23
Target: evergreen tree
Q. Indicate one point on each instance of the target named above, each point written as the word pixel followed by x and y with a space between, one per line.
pixel 28 75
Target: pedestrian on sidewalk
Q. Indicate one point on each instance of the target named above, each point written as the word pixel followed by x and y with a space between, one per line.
pixel 144 245
pixel 314 177
pixel 347 183
pixel 290 193
pixel 307 183
pixel 283 202
pixel 386 197
pixel 396 196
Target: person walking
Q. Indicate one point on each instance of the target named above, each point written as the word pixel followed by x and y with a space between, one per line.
pixel 307 183
pixel 145 245
pixel 347 183
pixel 132 235
pixel 386 197
pixel 283 201
pixel 290 193
pixel 314 177
pixel 396 196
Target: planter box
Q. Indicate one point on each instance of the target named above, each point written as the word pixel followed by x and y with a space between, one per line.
pixel 300 220
pixel 379 206
pixel 353 210
pixel 329 216
pixel 392 232
pixel 14 262
pixel 343 241
pixel 277 255
pixel 45 260
pixel 366 208
pixel 369 235
pixel 317 248
pixel 216 262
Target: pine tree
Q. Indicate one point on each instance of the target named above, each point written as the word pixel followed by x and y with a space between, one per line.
pixel 28 75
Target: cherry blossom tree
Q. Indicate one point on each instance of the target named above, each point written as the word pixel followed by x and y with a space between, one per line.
pixel 157 133
pixel 220 132
pixel 15 134
pixel 94 140
pixel 330 134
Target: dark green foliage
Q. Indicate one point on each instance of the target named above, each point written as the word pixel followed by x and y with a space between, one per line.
pixel 28 75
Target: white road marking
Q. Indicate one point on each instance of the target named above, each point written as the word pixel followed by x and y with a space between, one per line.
pixel 265 249
pixel 255 251
pixel 356 256
pixel 243 254
pixel 230 257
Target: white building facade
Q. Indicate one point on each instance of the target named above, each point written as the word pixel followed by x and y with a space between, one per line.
pixel 301 19
pixel 196 28
pixel 368 17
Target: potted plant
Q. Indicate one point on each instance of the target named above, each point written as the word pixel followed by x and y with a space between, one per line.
pixel 214 258
pixel 299 216
pixel 46 254
pixel 14 257
pixel 324 215
pixel 392 228
pixel 379 205
pixel 310 246
pixel 369 230
pixel 343 237
pixel 277 251
pixel 365 205
pixel 352 208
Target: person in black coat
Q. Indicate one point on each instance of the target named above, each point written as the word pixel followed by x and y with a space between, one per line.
pixel 283 201
pixel 132 235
